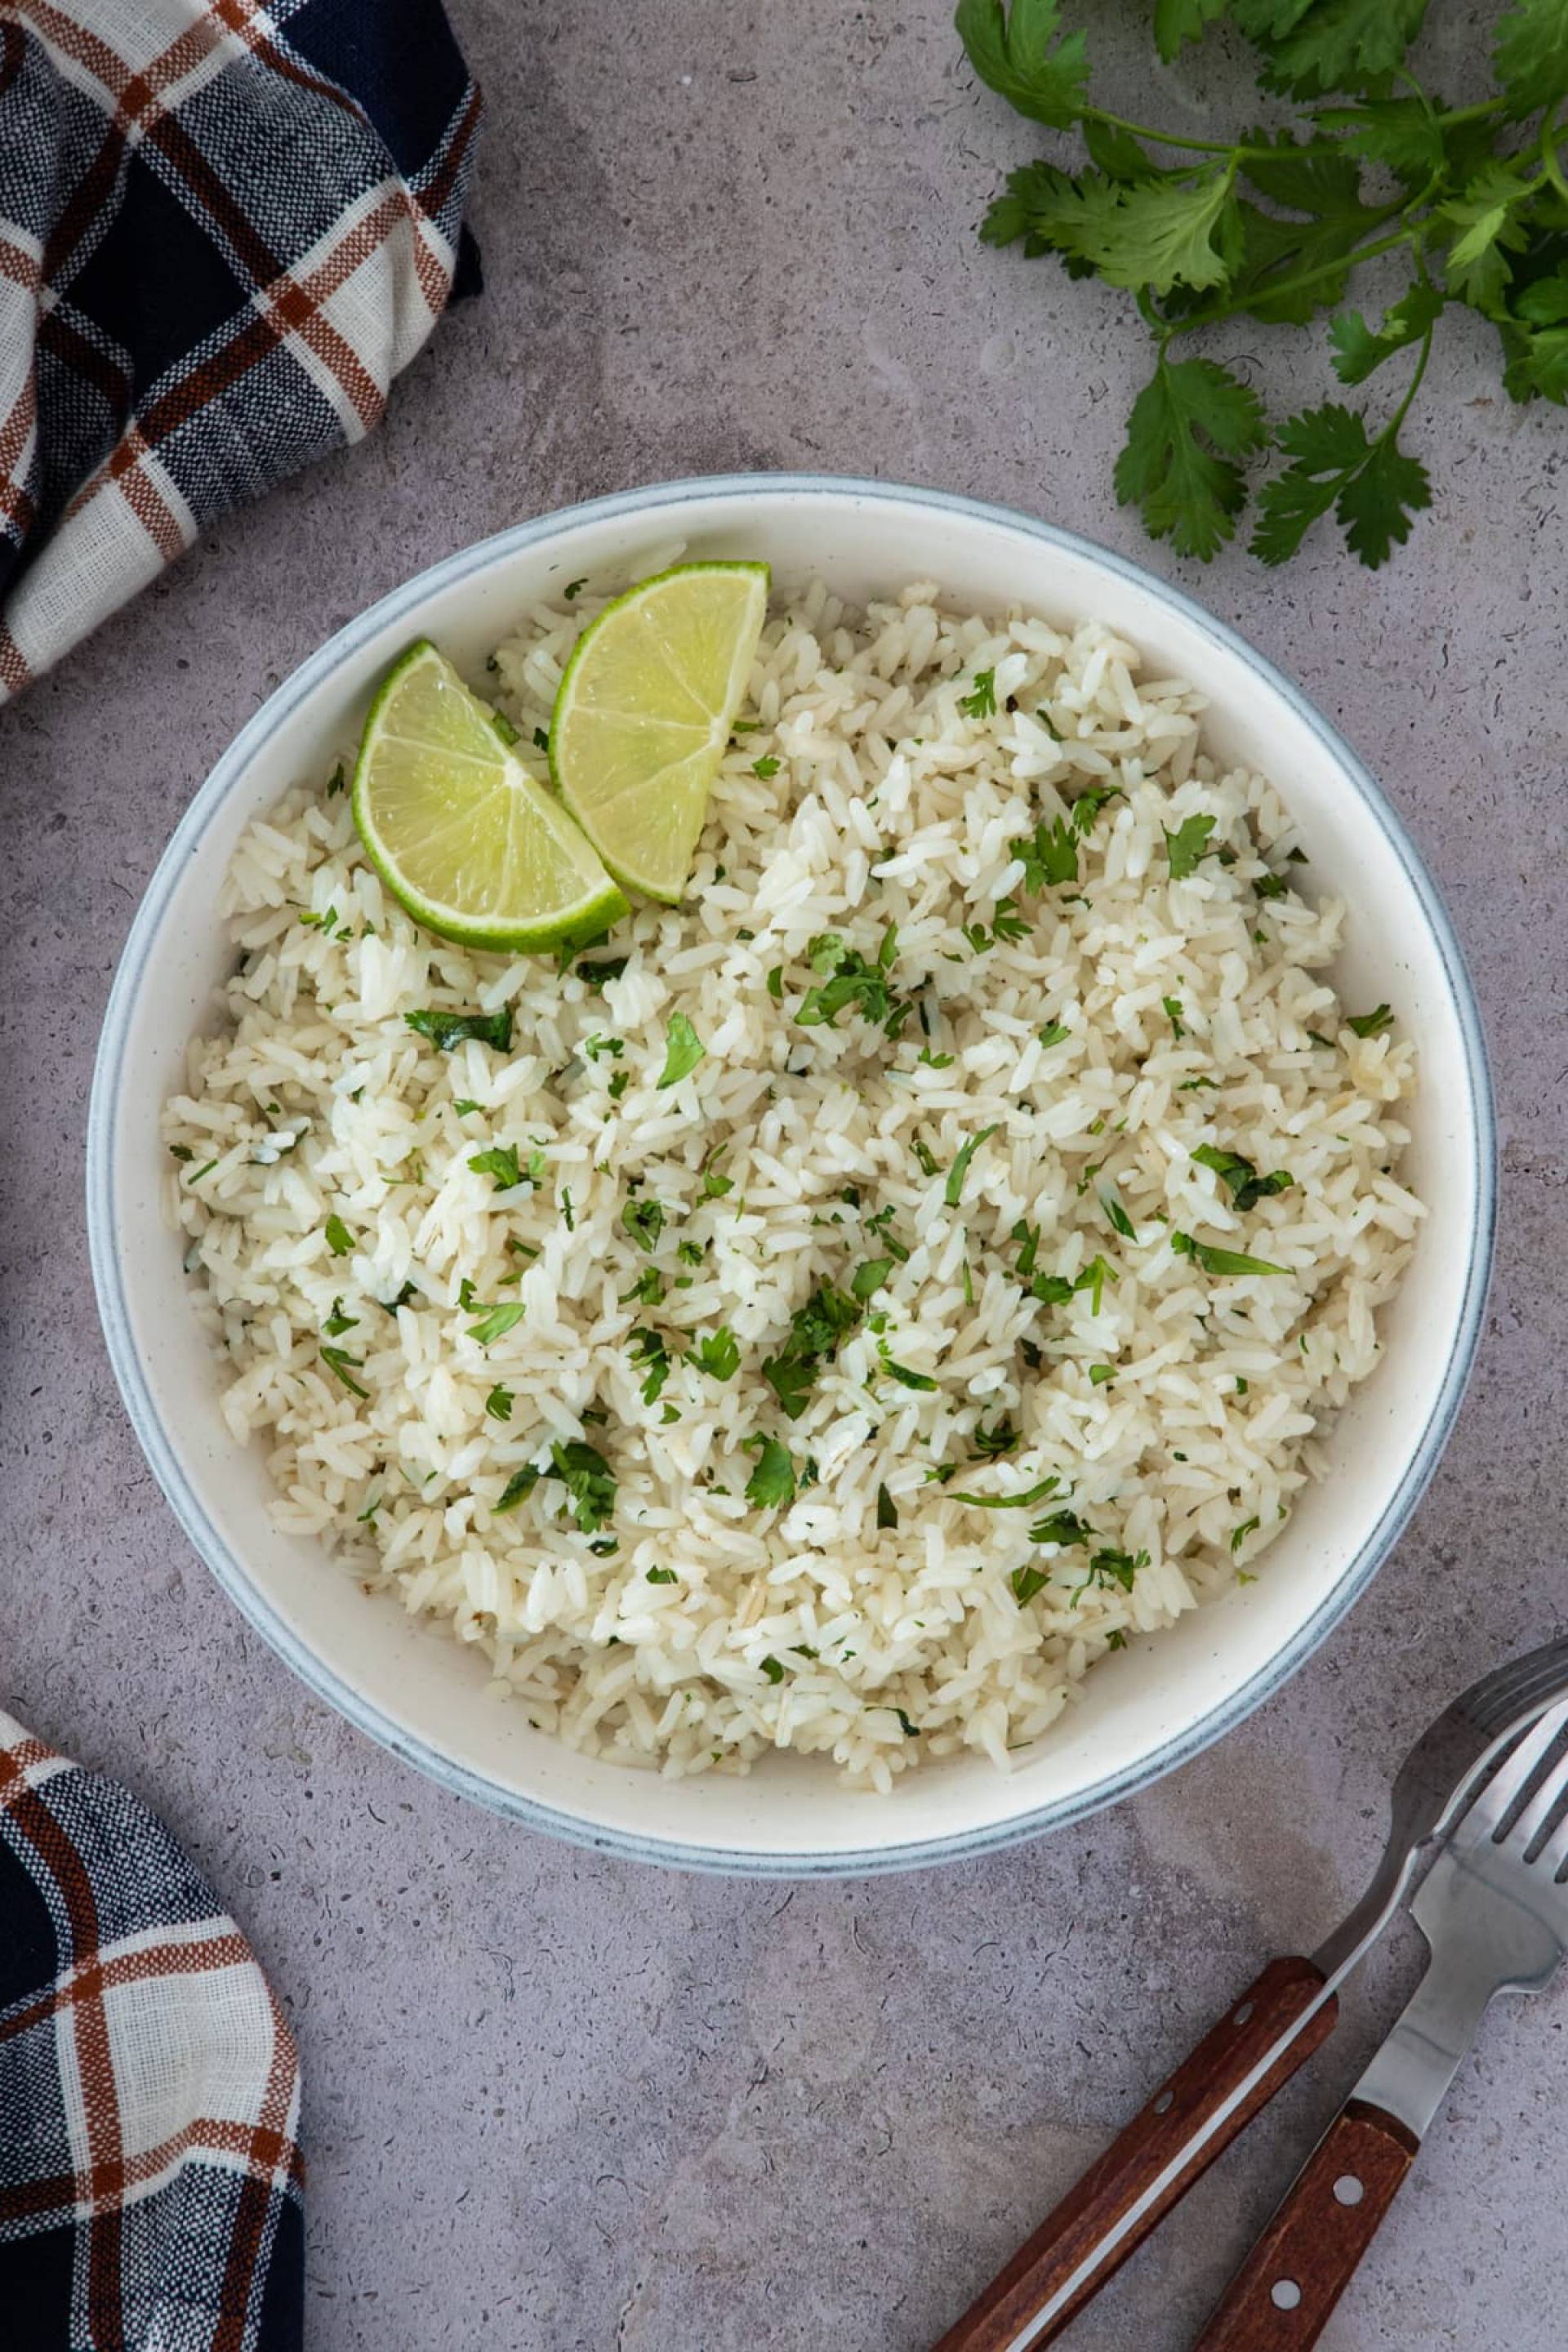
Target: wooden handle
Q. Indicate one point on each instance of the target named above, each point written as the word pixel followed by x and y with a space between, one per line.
pixel 1141 2153
pixel 1281 2299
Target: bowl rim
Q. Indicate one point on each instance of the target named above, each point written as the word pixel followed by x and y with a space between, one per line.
pixel 324 1680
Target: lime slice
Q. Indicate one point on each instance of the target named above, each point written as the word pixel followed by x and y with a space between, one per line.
pixel 459 832
pixel 644 710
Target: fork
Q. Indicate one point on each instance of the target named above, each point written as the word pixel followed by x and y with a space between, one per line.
pixel 1266 2034
pixel 1494 1911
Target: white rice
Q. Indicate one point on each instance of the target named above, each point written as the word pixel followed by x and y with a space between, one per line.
pixel 714 1628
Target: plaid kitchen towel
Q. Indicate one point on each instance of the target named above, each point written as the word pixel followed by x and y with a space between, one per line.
pixel 224 229
pixel 149 2176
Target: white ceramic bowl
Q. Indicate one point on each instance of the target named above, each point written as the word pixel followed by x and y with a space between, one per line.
pixel 1141 1712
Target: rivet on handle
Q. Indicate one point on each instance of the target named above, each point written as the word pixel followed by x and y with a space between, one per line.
pixel 1165 2103
pixel 1348 2189
pixel 1242 2014
pixel 1284 2294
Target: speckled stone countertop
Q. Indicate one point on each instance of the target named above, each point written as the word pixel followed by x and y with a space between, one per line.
pixel 555 2101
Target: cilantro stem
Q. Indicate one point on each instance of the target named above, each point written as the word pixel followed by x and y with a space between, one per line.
pixel 1276 287
pixel 1390 429
pixel 1551 162
pixel 1165 138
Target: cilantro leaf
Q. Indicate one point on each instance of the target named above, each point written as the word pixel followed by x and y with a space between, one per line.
pixel 340 1241
pixel 1189 423
pixel 811 1341
pixel 718 1353
pixel 1531 55
pixel 849 980
pixel 1017 52
pixel 499 1403
pixel 1188 846
pixel 1370 1024
pixel 589 1482
pixel 1373 488
pixel 981 703
pixel 1048 855
pixel 643 1220
pixel 1222 1261
pixel 1240 1177
pixel 683 1050
pixel 887 1511
pixel 446 1030
pixel 953 1189
pixel 499 1163
pixel 1358 349
pixel 337 1360
pixel 651 1356
pixel 1327 45
pixel 1483 217
pixel 1400 132
pixel 497 1321
pixel 1179 21
pixel 770 1485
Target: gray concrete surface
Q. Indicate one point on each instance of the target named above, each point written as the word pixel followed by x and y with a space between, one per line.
pixel 555 2102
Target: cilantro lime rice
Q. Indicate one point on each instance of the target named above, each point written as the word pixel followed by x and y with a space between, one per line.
pixel 834 1313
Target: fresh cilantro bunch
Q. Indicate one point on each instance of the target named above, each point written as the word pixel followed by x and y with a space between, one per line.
pixel 1272 225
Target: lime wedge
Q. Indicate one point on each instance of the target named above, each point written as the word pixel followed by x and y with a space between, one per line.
pixel 459 832
pixel 644 712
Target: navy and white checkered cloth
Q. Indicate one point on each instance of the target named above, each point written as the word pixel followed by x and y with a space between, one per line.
pixel 224 228
pixel 150 2173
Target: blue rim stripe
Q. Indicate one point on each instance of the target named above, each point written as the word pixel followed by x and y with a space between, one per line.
pixel 369 1718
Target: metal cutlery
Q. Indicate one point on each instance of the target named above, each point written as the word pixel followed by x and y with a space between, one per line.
pixel 1263 2038
pixel 1494 1911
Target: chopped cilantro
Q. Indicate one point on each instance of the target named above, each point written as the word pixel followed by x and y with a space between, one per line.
pixel 775 983
pixel 1240 1534
pixel 714 1186
pixel 867 1279
pixel 1027 1497
pixel 1062 1528
pixel 337 1360
pixel 340 1241
pixel 497 1321
pixel 464 1104
pixel 500 1164
pixel 643 1220
pixel 1270 885
pixel 1118 1215
pixel 599 975
pixel 338 1322
pixel 574 587
pixel 1056 1033
pixel 500 1402
pixel 662 1576
pixel 446 1030
pixel 1108 1566
pixel 1027 1581
pixel 337 783
pixel 541 741
pixel 929 1061
pixel 771 1484
pixel 811 1341
pixel 682 1050
pixel 1048 855
pixel 848 980
pixel 887 1513
pixel 589 1481
pixel 1188 846
pixel 773 1670
pixel 647 1290
pixel 1172 1005
pixel 980 701
pixel 718 1353
pixel 1241 1179
pixel 766 766
pixel 990 1444
pixel 1370 1025
pixel 1222 1261
pixel 509 734
pixel 923 1153
pixel 651 1355
pixel 905 1378
pixel 953 1189
pixel 1100 1374
pixel 181 1151
pixel 521 1481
